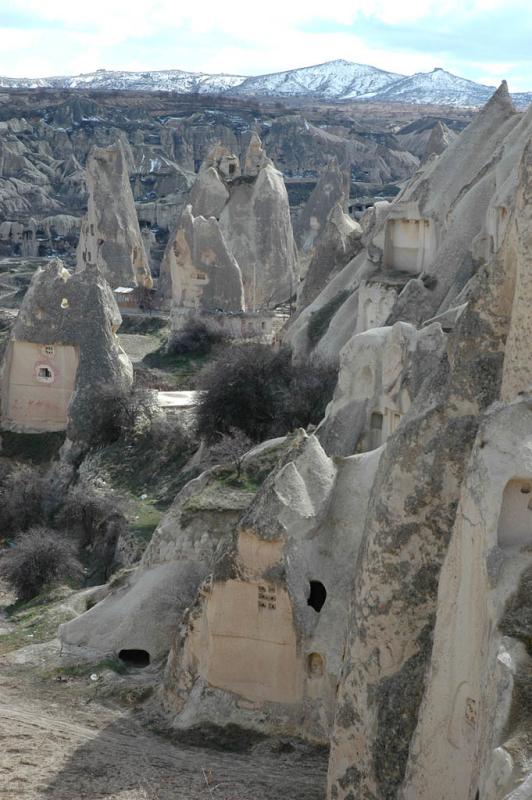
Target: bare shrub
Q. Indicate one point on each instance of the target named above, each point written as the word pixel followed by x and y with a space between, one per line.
pixel 96 519
pixel 260 392
pixel 230 449
pixel 123 415
pixel 40 558
pixel 21 499
pixel 197 338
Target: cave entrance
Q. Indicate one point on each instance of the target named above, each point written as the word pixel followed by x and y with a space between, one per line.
pixel 135 658
pixel 317 596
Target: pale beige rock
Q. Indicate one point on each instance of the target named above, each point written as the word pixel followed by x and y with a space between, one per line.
pixel 110 235
pixel 63 362
pixel 199 268
pixel 253 650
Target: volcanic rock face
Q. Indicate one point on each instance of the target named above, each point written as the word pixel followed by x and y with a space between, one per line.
pixel 448 492
pixel 331 189
pixel 336 245
pixel 110 234
pixel 381 372
pixel 254 220
pixel 427 244
pixel 203 273
pixel 262 645
pixel 257 227
pixel 63 364
pixel 142 614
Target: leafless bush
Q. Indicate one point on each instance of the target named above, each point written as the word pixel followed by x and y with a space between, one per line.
pixel 123 415
pixel 197 338
pixel 262 393
pixel 40 558
pixel 230 448
pixel 96 519
pixel 21 499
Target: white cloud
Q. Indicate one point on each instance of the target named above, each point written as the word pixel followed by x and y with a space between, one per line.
pixel 212 36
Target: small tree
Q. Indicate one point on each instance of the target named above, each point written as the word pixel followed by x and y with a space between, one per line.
pixel 40 558
pixel 230 449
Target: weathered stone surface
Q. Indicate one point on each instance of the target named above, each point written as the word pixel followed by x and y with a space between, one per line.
pixel 199 268
pixel 257 227
pixel 143 611
pixel 209 194
pixel 448 220
pixel 422 490
pixel 381 372
pixel 110 234
pixel 262 645
pixel 331 188
pixel 337 244
pixel 63 361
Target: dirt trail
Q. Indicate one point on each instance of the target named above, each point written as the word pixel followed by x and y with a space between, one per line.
pixel 57 745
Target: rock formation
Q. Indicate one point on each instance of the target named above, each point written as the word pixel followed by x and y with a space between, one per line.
pixel 257 227
pixel 63 364
pixel 381 371
pixel 254 218
pixel 110 235
pixel 203 272
pixel 144 611
pixel 332 188
pixel 427 245
pixel 414 697
pixel 336 245
pixel 262 644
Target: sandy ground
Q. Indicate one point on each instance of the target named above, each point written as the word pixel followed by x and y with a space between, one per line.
pixel 138 345
pixel 58 741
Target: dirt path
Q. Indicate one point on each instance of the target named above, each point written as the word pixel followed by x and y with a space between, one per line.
pixel 58 745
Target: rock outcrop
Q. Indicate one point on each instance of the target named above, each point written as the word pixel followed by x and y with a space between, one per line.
pixel 202 272
pixel 262 644
pixel 143 612
pixel 110 234
pixel 337 244
pixel 413 695
pixel 257 227
pixel 332 188
pixel 428 244
pixel 254 218
pixel 63 366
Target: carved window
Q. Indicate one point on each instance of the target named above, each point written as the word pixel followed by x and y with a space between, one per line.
pixel 45 374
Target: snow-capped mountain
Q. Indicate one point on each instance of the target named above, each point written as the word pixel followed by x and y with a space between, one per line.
pixel 438 87
pixel 338 80
pixel 333 80
pixel 171 80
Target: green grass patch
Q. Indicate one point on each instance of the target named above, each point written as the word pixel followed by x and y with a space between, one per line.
pixel 35 621
pixel 84 670
pixel 144 519
pixel 183 369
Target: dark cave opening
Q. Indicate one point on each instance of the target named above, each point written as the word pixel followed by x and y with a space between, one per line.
pixel 317 596
pixel 135 658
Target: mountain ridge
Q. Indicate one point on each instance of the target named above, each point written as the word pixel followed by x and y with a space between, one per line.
pixel 334 81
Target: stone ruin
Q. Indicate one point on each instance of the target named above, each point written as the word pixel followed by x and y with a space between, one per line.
pixel 375 590
pixel 63 358
pixel 110 236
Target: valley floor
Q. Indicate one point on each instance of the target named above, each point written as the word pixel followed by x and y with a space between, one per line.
pixel 61 743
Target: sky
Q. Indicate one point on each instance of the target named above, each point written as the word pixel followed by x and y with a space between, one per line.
pixel 484 40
